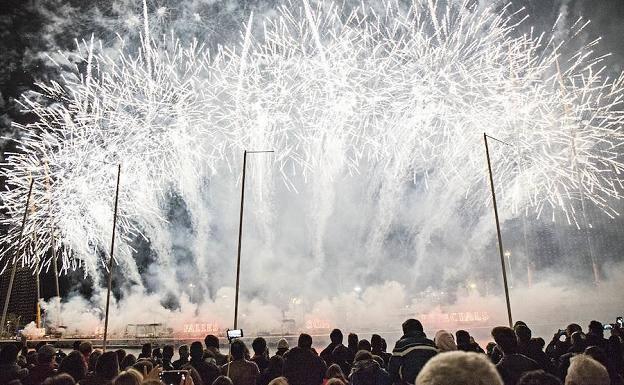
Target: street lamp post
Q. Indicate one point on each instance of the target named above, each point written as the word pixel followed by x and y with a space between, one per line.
pixel 240 232
pixel 498 230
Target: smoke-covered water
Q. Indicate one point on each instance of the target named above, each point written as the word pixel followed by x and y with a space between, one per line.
pixel 375 205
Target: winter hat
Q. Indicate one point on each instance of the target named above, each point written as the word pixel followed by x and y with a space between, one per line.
pixel 282 344
pixel 444 341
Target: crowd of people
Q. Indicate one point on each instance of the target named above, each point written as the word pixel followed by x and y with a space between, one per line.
pixel 572 357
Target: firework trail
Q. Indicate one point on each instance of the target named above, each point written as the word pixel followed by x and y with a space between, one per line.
pixel 404 93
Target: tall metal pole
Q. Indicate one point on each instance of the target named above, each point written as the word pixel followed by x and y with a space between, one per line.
pixel 240 232
pixel 110 262
pixel 19 243
pixel 498 230
pixel 240 237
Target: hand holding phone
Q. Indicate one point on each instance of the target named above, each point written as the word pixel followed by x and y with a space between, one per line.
pixel 173 377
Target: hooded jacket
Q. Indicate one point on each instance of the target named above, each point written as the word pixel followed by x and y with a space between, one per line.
pixel 10 372
pixel 303 367
pixel 409 355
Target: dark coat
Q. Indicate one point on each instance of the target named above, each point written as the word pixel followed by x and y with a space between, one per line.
pixel 512 366
pixel 261 361
pixel 327 353
pixel 409 355
pixel 303 367
pixel 207 370
pixel 368 372
pixel 39 373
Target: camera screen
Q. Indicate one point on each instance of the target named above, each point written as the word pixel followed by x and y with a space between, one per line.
pixel 173 377
pixel 238 333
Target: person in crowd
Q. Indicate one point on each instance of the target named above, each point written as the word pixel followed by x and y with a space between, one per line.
pixel 600 355
pixel 614 352
pixel 106 369
pixel 92 360
pixel 558 347
pixel 410 353
pixel 143 366
pixel 334 371
pixel 128 361
pixel 444 341
pixel 335 381
pixel 212 345
pixel 207 370
pixel 222 380
pixel 302 366
pixel 335 338
pixel 595 335
pixel 60 354
pixel 274 369
pixel 85 348
pixel 183 352
pixel 9 369
pixel 512 365
pixel 59 379
pixel 538 377
pixel 282 347
pixel 167 356
pixel 527 347
pixel 74 365
pixel 378 350
pixel 584 370
pixel 76 345
pixel 577 346
pixel 261 353
pixel 157 356
pixel 367 371
pixel 121 354
pixel 459 368
pixel 146 351
pixel 46 367
pixel 128 377
pixel 489 350
pixel 364 344
pixel 240 370
pixel 342 357
pixel 466 343
pixel 352 343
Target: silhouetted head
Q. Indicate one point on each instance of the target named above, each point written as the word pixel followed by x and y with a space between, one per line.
pixel 334 371
pixel 74 365
pixel 518 323
pixel 143 365
pixel 523 334
pixel 86 348
pixel 454 368
pixel 578 341
pixel 128 361
pixel 305 341
pixel 411 326
pixel 76 345
pixel 336 336
pixel 183 351
pixel 167 353
pixel 352 341
pixel 107 366
pixel 596 328
pixel 505 339
pixel 364 345
pixel 237 348
pixel 598 354
pixel 8 354
pixel 211 341
pixel 462 338
pixel 584 370
pixel 197 351
pixel 156 353
pixel 363 355
pixel 538 377
pixel 259 346
pixel 146 350
pixel 93 358
pixel 571 328
pixel 376 343
pixel 46 354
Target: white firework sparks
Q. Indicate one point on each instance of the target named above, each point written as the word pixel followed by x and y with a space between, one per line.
pixel 405 92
